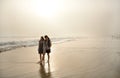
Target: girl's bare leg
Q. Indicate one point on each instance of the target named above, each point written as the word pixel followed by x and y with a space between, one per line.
pixel 40 57
pixel 43 57
pixel 48 57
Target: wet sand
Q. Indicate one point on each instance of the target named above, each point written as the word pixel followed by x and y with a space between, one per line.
pixel 74 59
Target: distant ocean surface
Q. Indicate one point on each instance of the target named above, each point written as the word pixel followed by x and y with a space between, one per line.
pixel 10 43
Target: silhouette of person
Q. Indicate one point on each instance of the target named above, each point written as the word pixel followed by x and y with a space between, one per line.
pixel 41 49
pixel 48 46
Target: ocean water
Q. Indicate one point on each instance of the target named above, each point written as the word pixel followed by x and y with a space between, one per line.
pixel 10 43
pixel 7 43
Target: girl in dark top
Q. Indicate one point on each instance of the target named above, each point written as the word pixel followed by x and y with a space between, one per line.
pixel 48 46
pixel 41 49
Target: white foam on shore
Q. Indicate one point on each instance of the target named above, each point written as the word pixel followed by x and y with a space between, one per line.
pixel 9 44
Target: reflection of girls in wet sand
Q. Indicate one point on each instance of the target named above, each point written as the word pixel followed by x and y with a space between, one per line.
pixel 43 73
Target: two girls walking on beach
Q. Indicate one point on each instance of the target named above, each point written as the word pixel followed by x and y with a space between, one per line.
pixel 44 47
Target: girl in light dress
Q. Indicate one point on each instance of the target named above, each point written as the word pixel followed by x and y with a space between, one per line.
pixel 41 49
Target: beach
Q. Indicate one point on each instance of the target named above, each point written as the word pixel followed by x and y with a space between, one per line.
pixel 82 58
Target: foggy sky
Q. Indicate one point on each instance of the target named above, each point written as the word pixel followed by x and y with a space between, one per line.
pixel 68 17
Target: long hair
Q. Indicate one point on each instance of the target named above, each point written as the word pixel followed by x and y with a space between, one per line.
pixel 41 39
pixel 49 41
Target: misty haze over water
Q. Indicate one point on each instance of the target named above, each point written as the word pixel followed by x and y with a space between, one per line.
pixel 59 18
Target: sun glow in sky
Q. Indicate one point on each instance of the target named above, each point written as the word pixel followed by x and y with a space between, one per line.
pixel 59 17
pixel 46 9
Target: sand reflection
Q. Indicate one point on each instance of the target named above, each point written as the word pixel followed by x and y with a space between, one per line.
pixel 45 71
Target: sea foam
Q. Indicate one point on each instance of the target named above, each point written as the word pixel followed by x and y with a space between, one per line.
pixel 6 45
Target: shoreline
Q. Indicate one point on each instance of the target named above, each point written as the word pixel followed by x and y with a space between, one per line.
pixel 11 45
pixel 74 59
